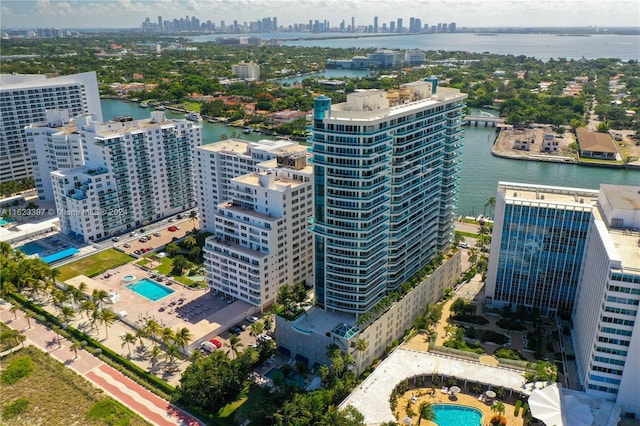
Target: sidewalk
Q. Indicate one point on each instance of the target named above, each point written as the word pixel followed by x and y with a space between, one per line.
pixel 149 406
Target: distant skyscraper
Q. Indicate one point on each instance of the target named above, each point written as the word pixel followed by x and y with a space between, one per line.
pixel 375 24
pixel 400 28
pixel 24 100
pixel 353 24
pixel 452 27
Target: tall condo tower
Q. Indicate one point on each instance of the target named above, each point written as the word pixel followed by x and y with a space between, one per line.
pixel 386 188
pixel 25 99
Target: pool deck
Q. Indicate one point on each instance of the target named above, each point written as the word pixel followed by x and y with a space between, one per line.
pixel 201 312
pixel 420 395
pixel 371 397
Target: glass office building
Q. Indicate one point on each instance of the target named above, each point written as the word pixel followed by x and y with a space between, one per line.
pixel 537 247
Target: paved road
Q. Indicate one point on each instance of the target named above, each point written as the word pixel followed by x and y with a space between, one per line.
pixel 152 408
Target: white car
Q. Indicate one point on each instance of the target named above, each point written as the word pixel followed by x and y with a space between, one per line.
pixel 252 319
pixel 463 245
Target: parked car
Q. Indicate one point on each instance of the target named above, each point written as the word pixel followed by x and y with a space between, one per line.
pixel 142 230
pixel 216 342
pixel 143 239
pixel 207 347
pixel 156 234
pixel 172 220
pixel 126 245
pixel 252 319
pixel 463 245
pixel 115 239
pixel 179 216
pixel 235 329
pixel 172 229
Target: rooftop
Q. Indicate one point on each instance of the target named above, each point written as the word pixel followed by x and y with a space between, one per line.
pixel 549 194
pixel 241 146
pixel 371 398
pixel 595 141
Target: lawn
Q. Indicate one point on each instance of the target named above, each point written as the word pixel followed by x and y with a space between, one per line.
pixel 165 267
pixel 54 395
pixel 94 264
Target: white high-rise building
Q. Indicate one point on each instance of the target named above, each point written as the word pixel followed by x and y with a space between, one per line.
pixel 261 241
pixel 246 70
pixel 53 146
pixel 135 173
pixel 606 330
pixel 219 162
pixel 24 100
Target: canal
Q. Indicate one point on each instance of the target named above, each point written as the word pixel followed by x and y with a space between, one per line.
pixel 480 171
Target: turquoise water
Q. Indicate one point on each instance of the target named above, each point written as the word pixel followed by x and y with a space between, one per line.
pixel 456 415
pixel 5 221
pixel 294 378
pixel 32 248
pixel 150 289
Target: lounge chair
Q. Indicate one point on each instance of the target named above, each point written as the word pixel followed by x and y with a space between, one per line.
pixel 444 390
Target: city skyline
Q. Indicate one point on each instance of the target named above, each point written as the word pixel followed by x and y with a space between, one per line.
pixel 474 13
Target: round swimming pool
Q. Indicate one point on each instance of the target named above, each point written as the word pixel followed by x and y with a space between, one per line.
pixel 457 415
pixel 128 278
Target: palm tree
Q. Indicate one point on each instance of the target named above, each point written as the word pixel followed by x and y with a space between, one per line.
pixel 66 314
pixel 498 407
pixel 99 297
pixel 491 202
pixel 127 339
pixel 14 310
pixel 107 317
pixel 194 253
pixel 190 241
pixel 256 329
pixel 15 336
pixel 86 307
pixel 154 354
pixel 426 412
pixel 140 334
pixel 152 328
pixel 166 335
pixel 361 346
pixel 172 248
pixel 28 316
pixel 234 345
pixel 74 347
pixel 268 321
pixel 171 354
pixel 182 337
pixel 193 215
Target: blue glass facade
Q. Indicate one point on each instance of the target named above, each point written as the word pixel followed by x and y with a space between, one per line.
pixel 541 251
pixel 386 191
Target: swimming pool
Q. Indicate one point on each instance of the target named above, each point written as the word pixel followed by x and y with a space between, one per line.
pixel 456 415
pixel 294 378
pixel 32 248
pixel 4 221
pixel 150 289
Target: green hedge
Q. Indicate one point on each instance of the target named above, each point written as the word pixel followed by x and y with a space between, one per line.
pixel 151 382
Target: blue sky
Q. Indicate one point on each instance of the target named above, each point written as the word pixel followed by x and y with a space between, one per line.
pixel 486 13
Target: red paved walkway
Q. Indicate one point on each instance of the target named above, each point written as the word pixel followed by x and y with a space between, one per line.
pixel 148 405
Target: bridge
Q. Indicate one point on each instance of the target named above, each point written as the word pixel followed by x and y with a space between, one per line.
pixel 488 121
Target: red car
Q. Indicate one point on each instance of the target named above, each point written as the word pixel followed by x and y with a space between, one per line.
pixel 216 342
pixel 173 229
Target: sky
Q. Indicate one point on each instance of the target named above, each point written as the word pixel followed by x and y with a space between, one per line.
pixel 472 13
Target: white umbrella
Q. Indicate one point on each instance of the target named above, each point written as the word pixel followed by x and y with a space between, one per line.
pixel 545 405
pixel 408 420
pixel 454 390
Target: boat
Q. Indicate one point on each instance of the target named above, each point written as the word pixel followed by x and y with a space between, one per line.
pixel 247 130
pixel 160 108
pixel 193 116
pixel 143 105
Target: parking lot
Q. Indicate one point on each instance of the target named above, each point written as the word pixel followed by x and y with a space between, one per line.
pixel 155 236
